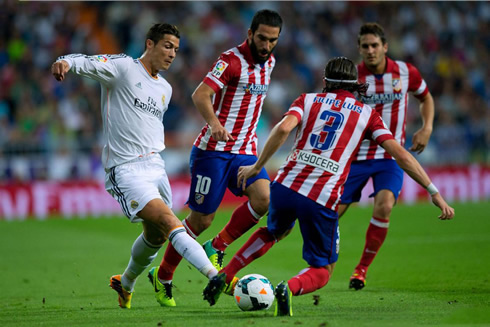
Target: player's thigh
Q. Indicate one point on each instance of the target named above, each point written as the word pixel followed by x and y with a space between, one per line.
pixel 257 186
pixel 359 175
pixel 387 176
pixel 282 209
pixel 135 184
pixel 210 172
pixel 320 230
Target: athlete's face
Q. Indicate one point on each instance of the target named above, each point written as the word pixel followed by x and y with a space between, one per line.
pixel 263 42
pixel 373 51
pixel 163 53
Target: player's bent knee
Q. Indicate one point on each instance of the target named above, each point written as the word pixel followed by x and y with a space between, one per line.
pixel 200 221
pixel 383 210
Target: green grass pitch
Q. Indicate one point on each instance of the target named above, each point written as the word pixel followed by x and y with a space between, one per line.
pixel 428 273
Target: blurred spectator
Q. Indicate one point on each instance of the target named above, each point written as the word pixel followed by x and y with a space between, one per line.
pixel 52 131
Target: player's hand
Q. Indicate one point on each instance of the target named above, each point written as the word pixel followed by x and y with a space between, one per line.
pixel 59 69
pixel 219 133
pixel 244 173
pixel 420 140
pixel 446 211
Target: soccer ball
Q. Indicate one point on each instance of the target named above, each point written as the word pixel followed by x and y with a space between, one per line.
pixel 254 292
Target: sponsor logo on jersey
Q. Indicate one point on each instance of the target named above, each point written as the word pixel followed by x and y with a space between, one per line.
pixel 219 68
pixel 397 84
pixel 138 85
pixel 315 160
pixel 256 89
pixel 134 204
pixel 101 58
pixel 381 98
pixel 149 107
pixel 199 198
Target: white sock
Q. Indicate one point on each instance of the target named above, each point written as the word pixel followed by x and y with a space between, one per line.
pixel 142 255
pixel 192 251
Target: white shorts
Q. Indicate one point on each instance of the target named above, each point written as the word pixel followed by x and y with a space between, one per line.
pixel 135 183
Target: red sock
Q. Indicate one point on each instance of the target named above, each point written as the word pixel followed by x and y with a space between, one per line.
pixel 309 280
pixel 257 245
pixel 242 219
pixel 375 236
pixel 172 258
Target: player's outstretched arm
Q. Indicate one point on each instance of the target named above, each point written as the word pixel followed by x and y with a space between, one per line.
pixel 202 100
pixel 278 136
pixel 59 69
pixel 411 166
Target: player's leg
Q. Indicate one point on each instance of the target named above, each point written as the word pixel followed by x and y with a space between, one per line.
pixel 194 224
pixel 246 216
pixel 250 212
pixel 320 233
pixel 208 184
pixel 280 222
pixel 146 184
pixel 160 222
pixel 387 182
pixel 131 187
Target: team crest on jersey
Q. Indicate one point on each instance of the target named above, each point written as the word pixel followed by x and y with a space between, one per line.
pixel 219 68
pixel 163 99
pixel 397 84
pixel 199 198
pixel 134 204
pixel 101 58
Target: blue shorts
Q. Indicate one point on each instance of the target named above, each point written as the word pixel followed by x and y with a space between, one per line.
pixel 386 174
pixel 319 225
pixel 214 171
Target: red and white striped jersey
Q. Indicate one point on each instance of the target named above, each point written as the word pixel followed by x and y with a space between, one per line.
pixel 388 95
pixel 332 127
pixel 241 87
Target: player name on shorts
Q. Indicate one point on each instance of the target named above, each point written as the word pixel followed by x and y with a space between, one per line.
pixel 315 160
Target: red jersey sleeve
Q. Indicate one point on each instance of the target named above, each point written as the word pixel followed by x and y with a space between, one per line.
pixel 225 69
pixel 376 129
pixel 297 107
pixel 416 83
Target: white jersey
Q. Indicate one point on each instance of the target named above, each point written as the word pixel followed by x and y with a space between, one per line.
pixel 133 104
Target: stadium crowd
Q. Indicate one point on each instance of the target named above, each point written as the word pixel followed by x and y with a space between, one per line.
pixel 50 130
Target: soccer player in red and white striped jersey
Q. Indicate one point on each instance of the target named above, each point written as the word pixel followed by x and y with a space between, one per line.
pixel 230 99
pixel 331 126
pixel 390 83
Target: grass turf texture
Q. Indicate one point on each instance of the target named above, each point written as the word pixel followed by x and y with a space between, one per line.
pixel 429 272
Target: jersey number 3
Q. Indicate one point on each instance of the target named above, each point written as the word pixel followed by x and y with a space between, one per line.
pixel 333 121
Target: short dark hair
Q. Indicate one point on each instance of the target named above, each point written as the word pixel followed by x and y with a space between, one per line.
pixel 266 17
pixel 157 32
pixel 371 28
pixel 341 74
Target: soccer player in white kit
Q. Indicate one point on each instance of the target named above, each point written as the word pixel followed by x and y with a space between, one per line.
pixel 134 99
pixel 309 184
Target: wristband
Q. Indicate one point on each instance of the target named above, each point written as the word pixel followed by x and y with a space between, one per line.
pixel 432 189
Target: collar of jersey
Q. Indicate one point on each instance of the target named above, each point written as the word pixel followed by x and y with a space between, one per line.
pixel 146 69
